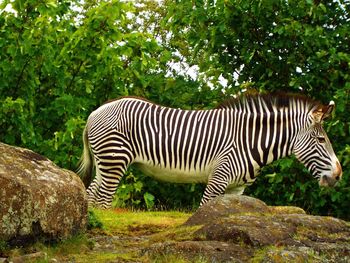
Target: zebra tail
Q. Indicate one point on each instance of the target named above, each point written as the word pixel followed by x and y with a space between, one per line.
pixel 86 164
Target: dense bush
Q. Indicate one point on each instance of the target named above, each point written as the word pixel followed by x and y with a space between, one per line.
pixel 59 60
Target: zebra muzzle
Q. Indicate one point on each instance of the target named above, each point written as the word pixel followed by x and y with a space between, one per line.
pixel 332 180
pixel 338 172
pixel 327 181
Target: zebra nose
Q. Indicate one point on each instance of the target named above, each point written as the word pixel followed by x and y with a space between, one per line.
pixel 338 172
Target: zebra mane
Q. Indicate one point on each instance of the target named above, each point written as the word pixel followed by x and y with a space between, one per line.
pixel 128 97
pixel 277 100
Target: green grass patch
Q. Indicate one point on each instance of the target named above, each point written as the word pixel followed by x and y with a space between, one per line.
pixel 126 222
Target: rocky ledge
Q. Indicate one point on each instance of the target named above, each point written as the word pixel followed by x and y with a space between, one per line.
pixel 244 229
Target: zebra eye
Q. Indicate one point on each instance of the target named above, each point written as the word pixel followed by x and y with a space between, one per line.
pixel 321 139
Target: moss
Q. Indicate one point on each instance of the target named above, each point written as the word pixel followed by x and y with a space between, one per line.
pixel 260 254
pixel 320 235
pixel 286 210
pixel 180 233
pixel 284 254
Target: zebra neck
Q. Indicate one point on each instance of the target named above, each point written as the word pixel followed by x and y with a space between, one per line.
pixel 272 135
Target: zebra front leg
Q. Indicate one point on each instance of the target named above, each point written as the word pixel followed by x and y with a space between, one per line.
pixel 218 182
pixel 215 187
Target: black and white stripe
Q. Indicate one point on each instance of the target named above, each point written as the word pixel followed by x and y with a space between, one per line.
pixel 223 147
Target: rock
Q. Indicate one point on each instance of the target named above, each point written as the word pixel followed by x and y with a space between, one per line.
pixel 226 205
pixel 244 229
pixel 38 200
pixel 250 230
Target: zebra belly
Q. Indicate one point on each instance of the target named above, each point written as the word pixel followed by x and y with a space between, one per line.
pixel 174 175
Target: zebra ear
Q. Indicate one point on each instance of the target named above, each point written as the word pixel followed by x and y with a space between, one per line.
pixel 323 112
pixel 328 110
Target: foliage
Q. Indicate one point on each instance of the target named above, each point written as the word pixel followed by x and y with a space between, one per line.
pixel 93 221
pixel 141 192
pixel 131 193
pixel 57 65
pixel 60 60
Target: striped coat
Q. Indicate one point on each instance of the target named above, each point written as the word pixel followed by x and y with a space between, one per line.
pixel 223 148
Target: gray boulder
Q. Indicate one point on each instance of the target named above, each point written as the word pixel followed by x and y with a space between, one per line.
pixel 38 200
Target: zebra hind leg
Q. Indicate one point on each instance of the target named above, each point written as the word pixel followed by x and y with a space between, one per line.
pixel 91 192
pixel 110 179
pixel 94 187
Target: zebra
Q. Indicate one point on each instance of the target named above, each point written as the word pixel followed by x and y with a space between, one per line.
pixel 223 148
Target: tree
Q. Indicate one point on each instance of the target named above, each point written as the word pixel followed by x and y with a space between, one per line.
pixel 58 64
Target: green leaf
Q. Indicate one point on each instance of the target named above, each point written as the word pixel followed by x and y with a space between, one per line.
pixel 138 186
pixel 149 200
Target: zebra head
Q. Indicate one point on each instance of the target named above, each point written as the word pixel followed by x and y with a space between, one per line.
pixel 314 149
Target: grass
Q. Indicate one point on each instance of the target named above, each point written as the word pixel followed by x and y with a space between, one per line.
pixel 133 222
